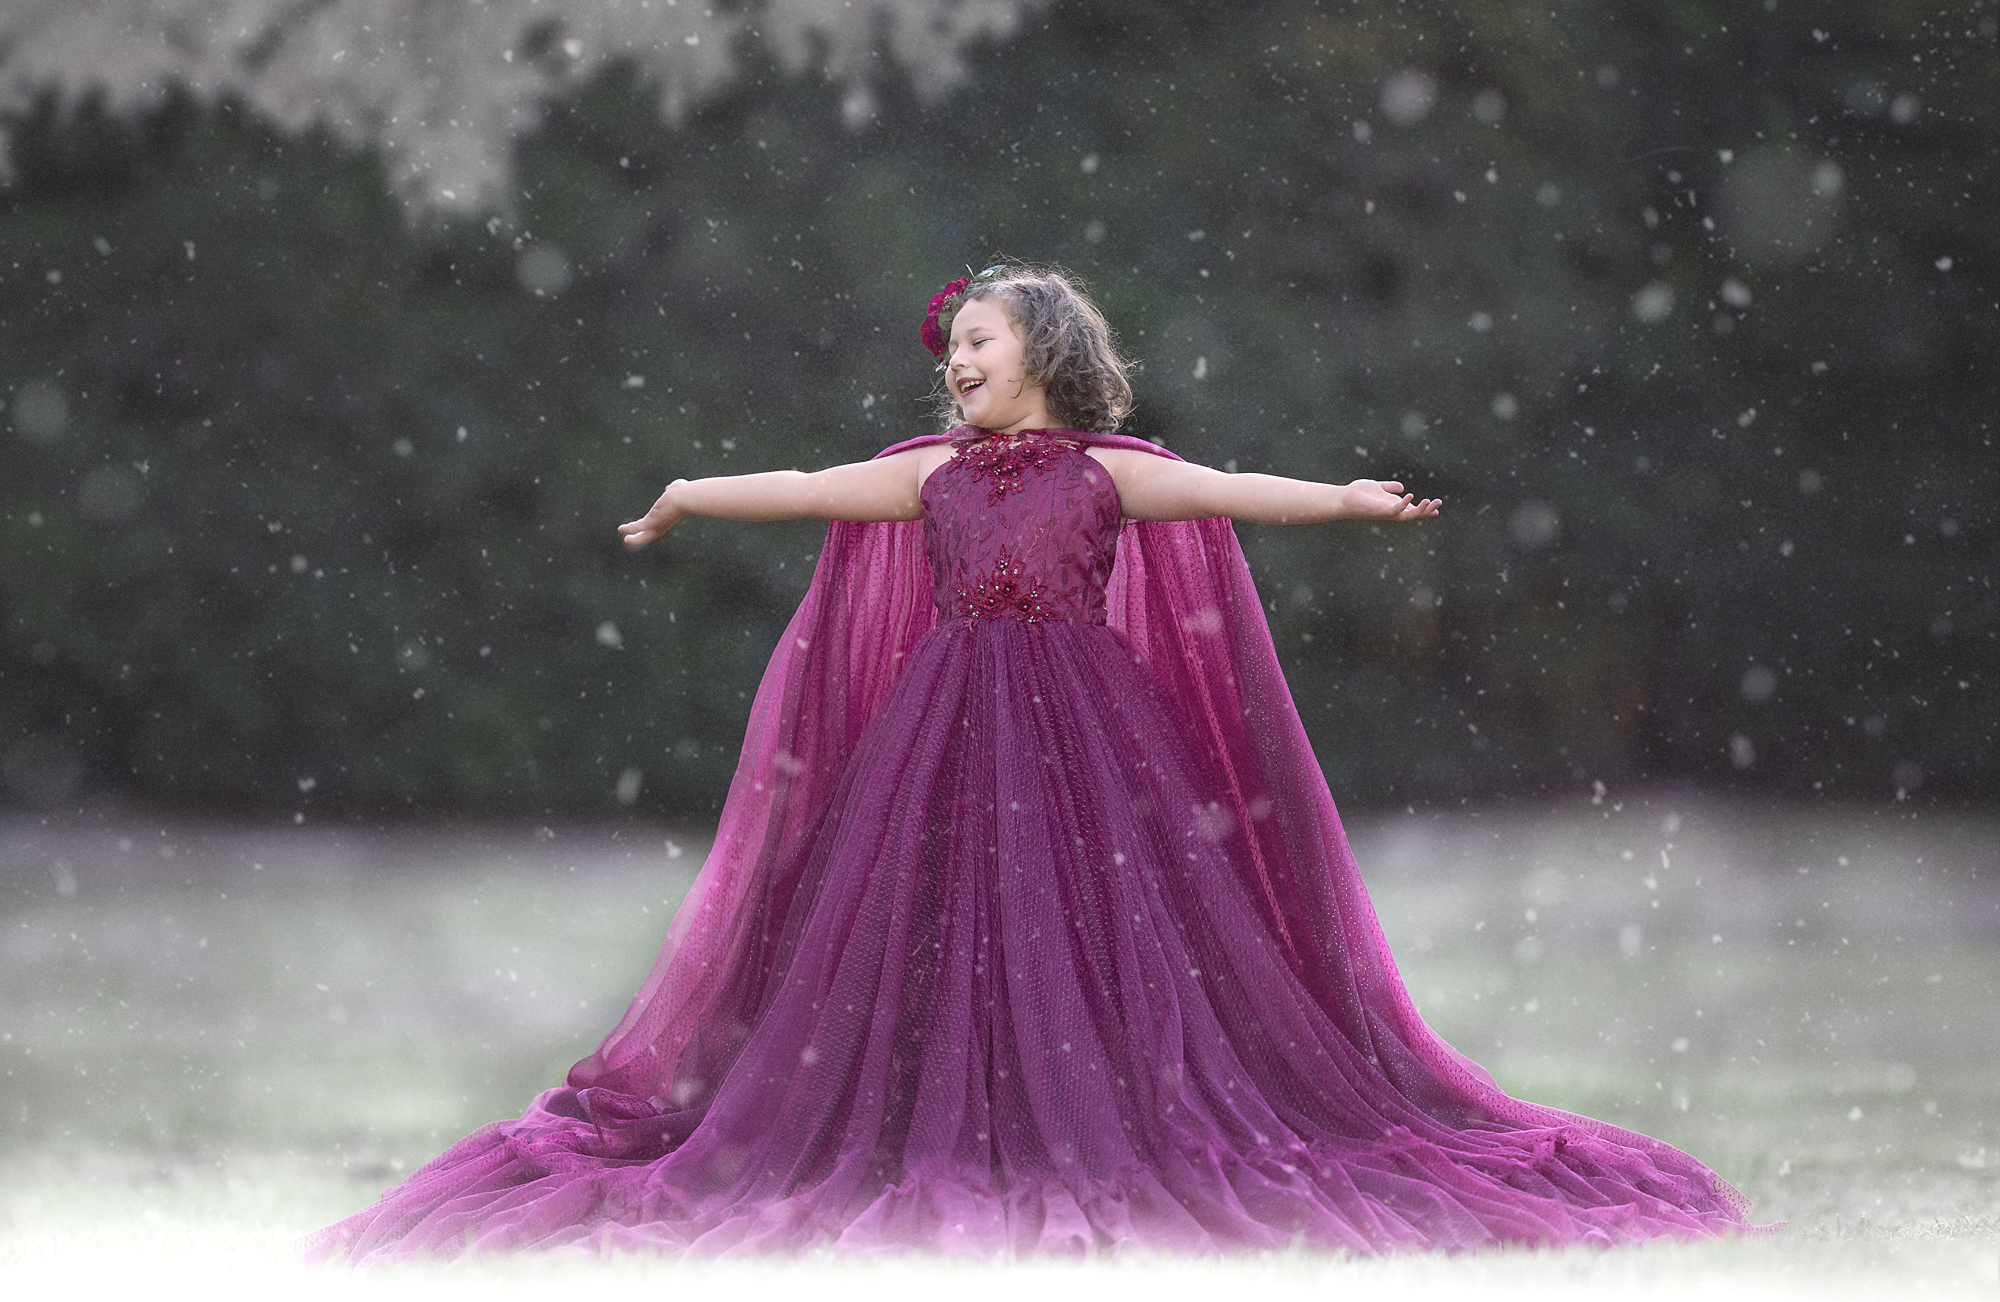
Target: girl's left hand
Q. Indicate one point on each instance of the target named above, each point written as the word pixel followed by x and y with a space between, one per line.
pixel 1384 499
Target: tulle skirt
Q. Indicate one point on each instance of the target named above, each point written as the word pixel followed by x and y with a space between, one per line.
pixel 1019 1000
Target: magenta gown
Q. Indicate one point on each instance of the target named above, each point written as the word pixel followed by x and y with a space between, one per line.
pixel 1030 929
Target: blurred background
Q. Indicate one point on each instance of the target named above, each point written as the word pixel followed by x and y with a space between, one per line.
pixel 334 342
pixel 336 338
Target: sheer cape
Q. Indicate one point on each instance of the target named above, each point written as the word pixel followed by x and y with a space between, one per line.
pixel 675 1136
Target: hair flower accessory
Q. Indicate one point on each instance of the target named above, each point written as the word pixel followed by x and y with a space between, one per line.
pixel 944 306
pixel 938 320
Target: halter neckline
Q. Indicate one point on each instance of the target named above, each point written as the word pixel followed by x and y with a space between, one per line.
pixel 973 433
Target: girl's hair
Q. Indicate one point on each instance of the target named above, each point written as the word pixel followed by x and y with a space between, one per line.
pixel 1069 348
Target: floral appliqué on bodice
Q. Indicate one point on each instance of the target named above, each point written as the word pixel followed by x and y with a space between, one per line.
pixel 1023 528
pixel 1007 461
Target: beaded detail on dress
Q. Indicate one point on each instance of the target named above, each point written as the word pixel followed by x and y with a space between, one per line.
pixel 1008 592
pixel 1023 528
pixel 1007 461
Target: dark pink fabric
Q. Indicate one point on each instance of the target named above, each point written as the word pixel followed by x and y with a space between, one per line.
pixel 1031 931
pixel 1024 531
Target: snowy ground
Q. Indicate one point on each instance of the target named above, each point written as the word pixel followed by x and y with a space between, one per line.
pixel 214 1038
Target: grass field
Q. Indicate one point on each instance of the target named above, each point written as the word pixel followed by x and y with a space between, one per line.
pixel 216 1037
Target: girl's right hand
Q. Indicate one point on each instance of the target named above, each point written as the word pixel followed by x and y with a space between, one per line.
pixel 666 513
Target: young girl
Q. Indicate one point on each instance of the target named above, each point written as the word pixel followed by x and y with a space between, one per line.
pixel 1030 925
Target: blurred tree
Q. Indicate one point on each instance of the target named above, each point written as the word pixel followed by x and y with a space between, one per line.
pixel 1688 312
pixel 445 88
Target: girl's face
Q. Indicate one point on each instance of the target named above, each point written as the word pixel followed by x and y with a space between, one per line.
pixel 987 369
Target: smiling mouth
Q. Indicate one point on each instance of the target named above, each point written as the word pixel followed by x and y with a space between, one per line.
pixel 968 386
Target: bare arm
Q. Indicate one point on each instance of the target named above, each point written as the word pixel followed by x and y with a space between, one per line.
pixel 1157 488
pixel 883 489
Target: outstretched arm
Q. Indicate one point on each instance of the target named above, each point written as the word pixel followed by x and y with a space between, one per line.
pixel 1157 488
pixel 883 489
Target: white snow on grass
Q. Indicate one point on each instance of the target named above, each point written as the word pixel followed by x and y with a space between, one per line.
pixel 214 1039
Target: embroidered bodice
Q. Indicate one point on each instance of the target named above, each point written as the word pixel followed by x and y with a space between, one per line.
pixel 1023 528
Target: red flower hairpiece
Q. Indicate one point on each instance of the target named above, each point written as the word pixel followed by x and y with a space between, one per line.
pixel 944 306
pixel 937 322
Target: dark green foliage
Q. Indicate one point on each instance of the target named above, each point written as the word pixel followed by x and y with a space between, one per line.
pixel 1747 540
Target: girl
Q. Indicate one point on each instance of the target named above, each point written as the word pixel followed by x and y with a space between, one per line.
pixel 1030 925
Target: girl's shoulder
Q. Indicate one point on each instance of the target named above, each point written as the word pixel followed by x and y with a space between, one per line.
pixel 1128 456
pixel 1113 458
pixel 930 457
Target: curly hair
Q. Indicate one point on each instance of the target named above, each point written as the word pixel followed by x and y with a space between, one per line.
pixel 1068 344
